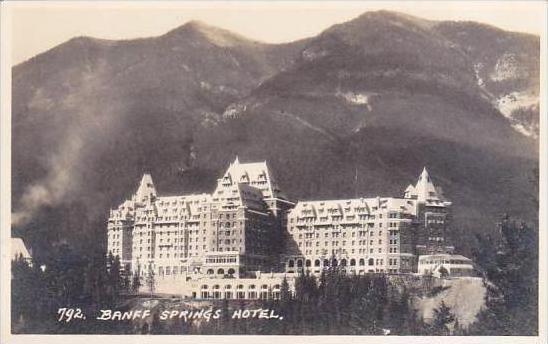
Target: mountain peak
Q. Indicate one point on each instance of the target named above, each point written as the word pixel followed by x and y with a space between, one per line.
pixel 395 17
pixel 215 35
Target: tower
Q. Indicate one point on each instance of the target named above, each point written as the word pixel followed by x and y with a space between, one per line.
pixel 146 192
pixel 433 216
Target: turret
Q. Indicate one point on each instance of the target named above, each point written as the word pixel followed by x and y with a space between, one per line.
pixel 146 191
pixel 424 190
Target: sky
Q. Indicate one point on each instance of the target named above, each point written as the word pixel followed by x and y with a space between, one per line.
pixel 38 27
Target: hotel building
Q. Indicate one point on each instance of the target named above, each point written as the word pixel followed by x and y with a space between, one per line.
pixel 382 234
pixel 224 234
pixel 247 227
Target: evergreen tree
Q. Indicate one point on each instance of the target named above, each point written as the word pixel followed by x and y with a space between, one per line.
pixel 442 318
pixel 285 293
pixel 136 281
pixel 126 279
pixel 511 280
pixel 156 327
pixel 457 329
pixel 115 277
pixel 443 272
pixel 151 280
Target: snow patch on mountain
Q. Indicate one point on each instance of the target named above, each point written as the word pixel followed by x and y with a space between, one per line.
pixel 477 69
pixel 515 106
pixel 234 110
pixel 515 100
pixel 357 98
pixel 507 67
pixel 525 131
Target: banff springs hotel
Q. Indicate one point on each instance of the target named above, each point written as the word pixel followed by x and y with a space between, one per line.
pixel 241 241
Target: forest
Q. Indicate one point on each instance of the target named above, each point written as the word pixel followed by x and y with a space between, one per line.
pixel 332 304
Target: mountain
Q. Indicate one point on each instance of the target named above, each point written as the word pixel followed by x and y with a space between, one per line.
pixel 379 97
pixel 506 65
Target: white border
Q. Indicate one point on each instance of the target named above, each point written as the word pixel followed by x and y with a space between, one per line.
pixel 5 192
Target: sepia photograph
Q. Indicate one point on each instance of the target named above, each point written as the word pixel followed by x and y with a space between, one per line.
pixel 255 171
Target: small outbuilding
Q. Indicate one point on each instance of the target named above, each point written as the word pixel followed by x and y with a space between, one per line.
pixel 450 265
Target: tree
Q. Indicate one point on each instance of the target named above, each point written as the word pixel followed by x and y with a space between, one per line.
pixel 457 329
pixel 126 279
pixel 442 318
pixel 156 327
pixel 115 277
pixel 511 280
pixel 151 280
pixel 443 272
pixel 24 290
pixel 136 281
pixel 285 293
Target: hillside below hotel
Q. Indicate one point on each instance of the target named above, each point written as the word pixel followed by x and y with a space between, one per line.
pixel 247 233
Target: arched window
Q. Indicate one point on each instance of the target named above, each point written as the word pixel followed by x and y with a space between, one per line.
pixel 231 271
pixel 352 262
pixel 299 263
pixel 308 263
pixel 362 261
pixel 317 262
pixel 252 286
pixel 204 286
pixel 291 263
pixel 343 262
pixel 221 271
pixel 210 271
pixel 216 286
pixel 371 261
pixel 335 262
pixel 325 262
pixel 240 286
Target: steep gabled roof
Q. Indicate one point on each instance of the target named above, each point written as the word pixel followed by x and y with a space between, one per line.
pixel 425 190
pixel 146 190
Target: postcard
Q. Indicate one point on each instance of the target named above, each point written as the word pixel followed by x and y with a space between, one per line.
pixel 251 171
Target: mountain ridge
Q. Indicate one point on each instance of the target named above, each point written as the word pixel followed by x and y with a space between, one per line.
pixel 383 99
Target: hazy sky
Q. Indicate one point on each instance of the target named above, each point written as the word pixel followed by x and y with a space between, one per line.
pixel 37 27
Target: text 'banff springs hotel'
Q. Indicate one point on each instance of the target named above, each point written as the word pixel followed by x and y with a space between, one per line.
pixel 247 230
